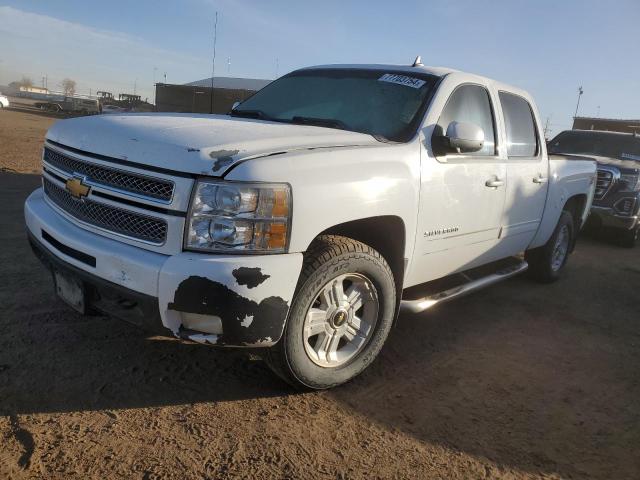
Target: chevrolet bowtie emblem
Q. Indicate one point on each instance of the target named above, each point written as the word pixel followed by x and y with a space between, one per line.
pixel 76 188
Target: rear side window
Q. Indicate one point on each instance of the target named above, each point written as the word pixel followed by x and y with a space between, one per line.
pixel 522 140
pixel 471 103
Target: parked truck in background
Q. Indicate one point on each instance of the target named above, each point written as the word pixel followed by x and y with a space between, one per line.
pixel 616 204
pixel 304 221
pixel 85 106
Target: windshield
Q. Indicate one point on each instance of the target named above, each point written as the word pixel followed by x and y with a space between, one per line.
pixel 381 103
pixel 612 145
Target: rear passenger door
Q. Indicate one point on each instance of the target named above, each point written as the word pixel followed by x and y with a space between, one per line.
pixel 527 174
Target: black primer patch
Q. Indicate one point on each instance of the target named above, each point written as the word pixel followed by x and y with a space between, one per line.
pixel 207 297
pixel 251 277
pixel 223 158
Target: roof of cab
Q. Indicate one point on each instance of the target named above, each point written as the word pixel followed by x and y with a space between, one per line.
pixel 437 71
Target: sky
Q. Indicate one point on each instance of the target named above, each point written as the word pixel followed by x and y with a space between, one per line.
pixel 549 48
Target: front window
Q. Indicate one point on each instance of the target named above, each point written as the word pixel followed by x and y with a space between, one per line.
pixel 384 103
pixel 603 144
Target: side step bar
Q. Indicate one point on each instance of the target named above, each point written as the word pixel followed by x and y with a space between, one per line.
pixel 422 304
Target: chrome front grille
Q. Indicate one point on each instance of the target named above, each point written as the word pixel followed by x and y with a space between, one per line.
pixel 113 219
pixel 139 184
pixel 603 183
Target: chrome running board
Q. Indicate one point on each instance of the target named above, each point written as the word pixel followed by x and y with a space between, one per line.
pixel 422 304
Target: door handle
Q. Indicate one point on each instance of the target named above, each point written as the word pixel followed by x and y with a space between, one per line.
pixel 540 179
pixel 494 183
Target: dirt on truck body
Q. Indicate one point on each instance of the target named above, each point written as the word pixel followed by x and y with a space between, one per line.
pixel 519 381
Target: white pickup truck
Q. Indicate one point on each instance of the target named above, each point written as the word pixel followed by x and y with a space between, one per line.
pixel 302 222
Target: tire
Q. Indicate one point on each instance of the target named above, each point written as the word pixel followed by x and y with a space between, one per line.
pixel 546 262
pixel 298 357
pixel 629 238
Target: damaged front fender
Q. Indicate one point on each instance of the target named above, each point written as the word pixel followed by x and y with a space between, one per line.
pixel 228 300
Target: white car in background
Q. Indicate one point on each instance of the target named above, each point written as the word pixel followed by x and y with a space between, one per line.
pixel 4 101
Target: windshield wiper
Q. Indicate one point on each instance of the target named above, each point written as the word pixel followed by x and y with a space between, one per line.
pixel 259 114
pixel 320 122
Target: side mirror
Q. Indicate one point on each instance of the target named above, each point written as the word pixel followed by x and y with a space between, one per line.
pixel 235 105
pixel 464 137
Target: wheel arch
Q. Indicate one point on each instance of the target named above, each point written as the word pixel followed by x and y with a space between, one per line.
pixel 387 235
pixel 575 205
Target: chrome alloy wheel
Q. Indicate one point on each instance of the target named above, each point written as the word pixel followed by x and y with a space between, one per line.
pixel 341 320
pixel 560 249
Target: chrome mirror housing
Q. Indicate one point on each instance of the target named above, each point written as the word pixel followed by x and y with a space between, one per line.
pixel 464 137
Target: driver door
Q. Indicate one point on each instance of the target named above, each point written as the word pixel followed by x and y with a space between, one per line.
pixel 462 194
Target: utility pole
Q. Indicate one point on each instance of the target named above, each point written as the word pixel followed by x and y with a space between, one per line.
pixel 165 77
pixel 228 65
pixel 135 84
pixel 154 84
pixel 598 111
pixel 213 62
pixel 580 92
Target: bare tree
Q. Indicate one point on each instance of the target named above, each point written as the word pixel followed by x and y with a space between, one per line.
pixel 23 82
pixel 68 87
pixel 26 82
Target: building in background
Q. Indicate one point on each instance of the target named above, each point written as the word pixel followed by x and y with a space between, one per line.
pixel 34 89
pixel 607 124
pixel 198 97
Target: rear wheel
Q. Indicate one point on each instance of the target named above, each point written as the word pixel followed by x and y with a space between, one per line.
pixel 340 316
pixel 546 262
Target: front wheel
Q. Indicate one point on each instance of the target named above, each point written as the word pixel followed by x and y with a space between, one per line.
pixel 340 316
pixel 546 262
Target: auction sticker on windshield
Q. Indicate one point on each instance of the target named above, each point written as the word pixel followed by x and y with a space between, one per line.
pixel 402 80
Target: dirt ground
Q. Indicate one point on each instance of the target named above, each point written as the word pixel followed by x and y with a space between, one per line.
pixel 518 381
pixel 21 136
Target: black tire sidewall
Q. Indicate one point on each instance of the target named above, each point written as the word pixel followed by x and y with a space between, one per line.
pixel 300 365
pixel 540 259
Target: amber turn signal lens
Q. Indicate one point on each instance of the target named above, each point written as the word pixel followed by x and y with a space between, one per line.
pixel 280 203
pixel 276 236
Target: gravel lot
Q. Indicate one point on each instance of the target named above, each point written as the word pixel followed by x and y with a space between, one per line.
pixel 518 381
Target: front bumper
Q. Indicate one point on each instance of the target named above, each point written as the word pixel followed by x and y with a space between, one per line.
pixel 607 217
pixel 232 300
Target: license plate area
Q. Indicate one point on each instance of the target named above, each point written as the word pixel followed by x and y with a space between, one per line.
pixel 71 290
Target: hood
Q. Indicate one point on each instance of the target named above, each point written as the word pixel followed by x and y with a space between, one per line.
pixel 198 144
pixel 623 165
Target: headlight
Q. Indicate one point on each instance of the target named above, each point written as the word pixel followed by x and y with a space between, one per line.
pixel 239 217
pixel 630 182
